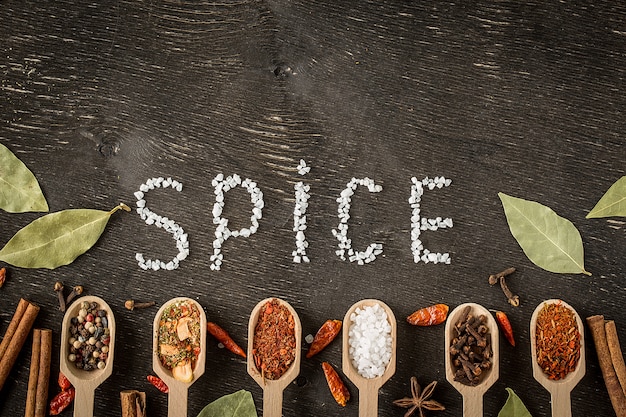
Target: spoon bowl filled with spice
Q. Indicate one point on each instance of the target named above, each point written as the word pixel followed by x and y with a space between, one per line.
pixel 557 343
pixel 178 349
pixel 369 350
pixel 472 354
pixel 274 340
pixel 87 347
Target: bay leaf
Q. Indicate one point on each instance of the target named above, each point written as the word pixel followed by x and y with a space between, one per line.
pixel 548 240
pixel 19 189
pixel 56 239
pixel 514 407
pixel 612 203
pixel 237 404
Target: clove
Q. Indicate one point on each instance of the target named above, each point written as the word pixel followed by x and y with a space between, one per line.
pixel 470 350
pixel 132 304
pixel 77 290
pixel 58 288
pixel 500 277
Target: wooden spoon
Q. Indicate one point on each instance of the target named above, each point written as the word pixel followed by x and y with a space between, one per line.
pixel 178 390
pixel 559 390
pixel 473 395
pixel 368 387
pixel 85 382
pixel 273 389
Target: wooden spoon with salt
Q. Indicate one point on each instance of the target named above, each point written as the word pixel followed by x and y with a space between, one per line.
pixel 559 390
pixel 85 382
pixel 473 395
pixel 273 388
pixel 178 390
pixel 368 387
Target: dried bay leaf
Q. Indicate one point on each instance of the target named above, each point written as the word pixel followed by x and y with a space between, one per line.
pixel 56 239
pixel 19 189
pixel 548 240
pixel 237 404
pixel 514 407
pixel 612 203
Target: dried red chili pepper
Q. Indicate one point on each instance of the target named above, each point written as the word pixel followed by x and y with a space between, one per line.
pixel 429 316
pixel 61 401
pixel 337 388
pixel 3 276
pixel 224 338
pixel 505 326
pixel 158 383
pixel 326 334
pixel 64 383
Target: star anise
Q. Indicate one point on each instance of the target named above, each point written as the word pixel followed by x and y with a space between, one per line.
pixel 419 399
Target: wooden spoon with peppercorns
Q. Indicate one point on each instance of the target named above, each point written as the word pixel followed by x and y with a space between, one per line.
pixel 181 328
pixel 559 389
pixel 368 387
pixel 86 381
pixel 483 368
pixel 284 339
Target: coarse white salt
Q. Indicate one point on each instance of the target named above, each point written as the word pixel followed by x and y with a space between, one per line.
pixel 369 340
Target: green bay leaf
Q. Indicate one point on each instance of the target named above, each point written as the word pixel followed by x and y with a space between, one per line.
pixel 548 240
pixel 514 407
pixel 237 404
pixel 56 239
pixel 612 203
pixel 19 189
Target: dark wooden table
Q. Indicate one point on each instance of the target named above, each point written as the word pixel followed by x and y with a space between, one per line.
pixel 524 98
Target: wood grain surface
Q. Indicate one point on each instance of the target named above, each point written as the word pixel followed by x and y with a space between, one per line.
pixel 520 97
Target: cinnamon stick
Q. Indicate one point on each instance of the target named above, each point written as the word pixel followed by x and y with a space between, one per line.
pixel 31 393
pixel 616 353
pixel 15 321
pixel 133 403
pixel 16 338
pixel 43 378
pixel 598 332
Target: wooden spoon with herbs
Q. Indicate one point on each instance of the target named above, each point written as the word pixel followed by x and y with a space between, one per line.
pixel 368 382
pixel 86 375
pixel 178 349
pixel 472 354
pixel 274 340
pixel 556 330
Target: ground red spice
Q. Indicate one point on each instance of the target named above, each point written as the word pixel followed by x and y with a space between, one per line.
pixel 274 345
pixel 558 341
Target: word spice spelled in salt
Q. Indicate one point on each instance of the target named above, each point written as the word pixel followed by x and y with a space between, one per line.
pixel 369 340
pixel 299 215
pixel 222 232
pixel 420 224
pixel 341 233
pixel 151 218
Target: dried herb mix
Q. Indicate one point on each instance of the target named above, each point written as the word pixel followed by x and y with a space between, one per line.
pixel 274 344
pixel 558 340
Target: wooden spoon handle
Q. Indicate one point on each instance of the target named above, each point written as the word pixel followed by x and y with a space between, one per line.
pixel 561 402
pixel 177 400
pixel 272 400
pixel 83 401
pixel 368 402
pixel 473 404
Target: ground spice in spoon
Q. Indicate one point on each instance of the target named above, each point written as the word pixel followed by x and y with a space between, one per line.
pixel 558 341
pixel 274 345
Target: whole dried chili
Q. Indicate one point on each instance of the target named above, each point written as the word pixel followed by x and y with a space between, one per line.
pixel 3 276
pixel 337 388
pixel 158 383
pixel 326 334
pixel 63 382
pixel 558 340
pixel 429 316
pixel 61 401
pixel 505 326
pixel 224 338
pixel 274 343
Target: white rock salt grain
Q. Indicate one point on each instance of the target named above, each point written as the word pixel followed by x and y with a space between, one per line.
pixel 369 340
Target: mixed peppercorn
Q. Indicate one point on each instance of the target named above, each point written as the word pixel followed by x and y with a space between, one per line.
pixel 89 337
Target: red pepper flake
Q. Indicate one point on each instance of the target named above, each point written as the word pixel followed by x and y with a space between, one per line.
pixel 274 343
pixel 326 334
pixel 558 341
